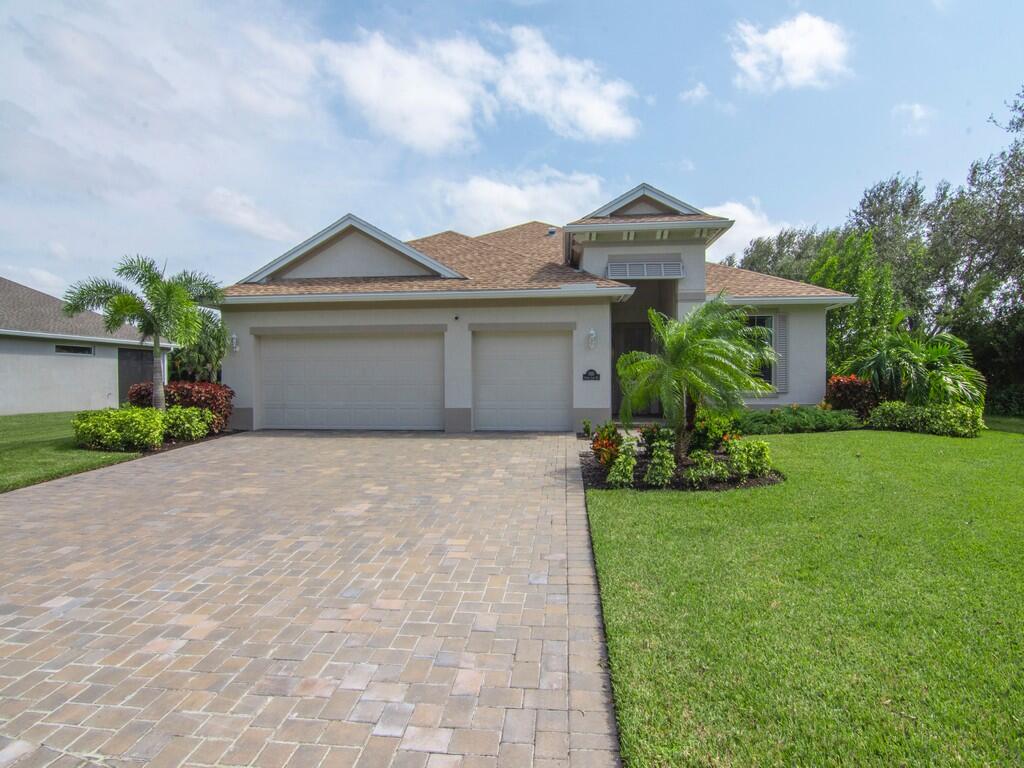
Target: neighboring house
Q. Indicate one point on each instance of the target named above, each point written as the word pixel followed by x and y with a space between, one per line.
pixel 513 330
pixel 51 362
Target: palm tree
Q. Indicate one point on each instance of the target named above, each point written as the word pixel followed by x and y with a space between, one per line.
pixel 163 307
pixel 710 357
pixel 919 367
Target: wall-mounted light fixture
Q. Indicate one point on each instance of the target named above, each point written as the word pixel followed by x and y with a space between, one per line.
pixel 234 342
pixel 591 338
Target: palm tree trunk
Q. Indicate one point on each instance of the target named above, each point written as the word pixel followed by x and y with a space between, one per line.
pixel 684 433
pixel 158 374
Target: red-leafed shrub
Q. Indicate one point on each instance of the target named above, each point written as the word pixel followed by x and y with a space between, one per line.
pixel 189 394
pixel 850 393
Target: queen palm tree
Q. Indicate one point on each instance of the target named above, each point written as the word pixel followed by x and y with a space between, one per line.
pixel 161 307
pixel 710 357
pixel 919 367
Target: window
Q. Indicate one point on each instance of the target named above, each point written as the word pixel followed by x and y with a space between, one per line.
pixel 765 321
pixel 70 349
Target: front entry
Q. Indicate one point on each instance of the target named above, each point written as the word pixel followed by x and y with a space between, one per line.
pixel 629 337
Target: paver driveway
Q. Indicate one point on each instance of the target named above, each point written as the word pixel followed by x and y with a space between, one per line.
pixel 306 599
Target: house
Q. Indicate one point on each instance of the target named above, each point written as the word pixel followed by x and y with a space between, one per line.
pixel 51 362
pixel 513 330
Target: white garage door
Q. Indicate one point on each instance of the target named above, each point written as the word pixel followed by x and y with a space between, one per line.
pixel 522 381
pixel 352 382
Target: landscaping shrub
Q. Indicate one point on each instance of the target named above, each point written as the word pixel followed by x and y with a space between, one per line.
pixel 119 429
pixel 197 394
pixel 795 418
pixel 850 393
pixel 655 433
pixel 662 465
pixel 706 469
pixel 605 445
pixel 952 420
pixel 187 424
pixel 621 474
pixel 710 428
pixel 749 458
pixel 588 428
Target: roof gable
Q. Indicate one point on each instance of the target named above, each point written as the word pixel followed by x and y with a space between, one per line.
pixel 321 242
pixel 645 199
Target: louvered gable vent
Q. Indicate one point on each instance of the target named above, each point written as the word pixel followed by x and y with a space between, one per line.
pixel 644 270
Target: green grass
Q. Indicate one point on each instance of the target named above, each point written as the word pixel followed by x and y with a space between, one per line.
pixel 1005 423
pixel 38 446
pixel 867 611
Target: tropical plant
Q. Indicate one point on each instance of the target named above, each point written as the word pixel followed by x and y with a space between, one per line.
pixel 920 368
pixel 661 468
pixel 200 361
pixel 621 473
pixel 119 429
pixel 162 307
pixel 749 458
pixel 710 357
pixel 949 419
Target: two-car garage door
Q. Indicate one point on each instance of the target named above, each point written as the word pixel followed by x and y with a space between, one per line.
pixel 521 381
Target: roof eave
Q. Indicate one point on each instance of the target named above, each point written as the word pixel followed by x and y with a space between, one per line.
pixel 617 293
pixel 91 339
pixel 830 301
pixel 721 226
pixel 644 190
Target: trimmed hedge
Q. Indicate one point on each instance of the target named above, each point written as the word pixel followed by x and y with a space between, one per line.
pixel 950 420
pixel 189 394
pixel 795 418
pixel 119 429
pixel 187 424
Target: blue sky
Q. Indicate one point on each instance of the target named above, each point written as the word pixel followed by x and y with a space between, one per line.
pixel 216 137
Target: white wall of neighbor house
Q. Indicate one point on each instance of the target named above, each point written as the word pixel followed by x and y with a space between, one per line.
pixel 590 399
pixel 35 379
pixel 805 328
pixel 353 255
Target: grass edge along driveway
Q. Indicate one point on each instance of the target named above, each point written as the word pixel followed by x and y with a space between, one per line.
pixel 868 611
pixel 36 447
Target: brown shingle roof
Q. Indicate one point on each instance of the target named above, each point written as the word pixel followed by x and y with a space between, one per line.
pixel 486 265
pixel 744 283
pixel 30 311
pixel 651 218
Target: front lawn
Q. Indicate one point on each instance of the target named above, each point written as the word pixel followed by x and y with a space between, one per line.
pixel 867 611
pixel 38 446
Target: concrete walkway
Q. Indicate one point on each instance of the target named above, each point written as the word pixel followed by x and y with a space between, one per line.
pixel 307 599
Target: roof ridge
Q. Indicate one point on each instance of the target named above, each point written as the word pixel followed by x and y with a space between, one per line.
pixel 516 226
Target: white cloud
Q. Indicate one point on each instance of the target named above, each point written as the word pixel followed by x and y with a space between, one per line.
pixel 569 94
pixel 238 211
pixel 695 95
pixel 36 277
pixel 805 51
pixel 482 204
pixel 914 117
pixel 427 97
pixel 751 221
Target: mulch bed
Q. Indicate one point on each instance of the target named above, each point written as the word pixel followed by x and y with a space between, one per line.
pixel 594 476
pixel 170 446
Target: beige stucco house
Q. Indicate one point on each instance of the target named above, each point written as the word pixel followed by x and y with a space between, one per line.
pixel 513 330
pixel 52 362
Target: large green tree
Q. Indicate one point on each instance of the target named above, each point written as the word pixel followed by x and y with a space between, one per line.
pixel 160 307
pixel 711 357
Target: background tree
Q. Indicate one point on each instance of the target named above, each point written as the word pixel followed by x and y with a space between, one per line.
pixel 162 307
pixel 710 357
pixel 201 360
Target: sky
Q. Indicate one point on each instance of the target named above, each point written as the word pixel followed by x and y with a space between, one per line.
pixel 216 136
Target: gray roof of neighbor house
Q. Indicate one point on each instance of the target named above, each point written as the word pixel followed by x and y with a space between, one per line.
pixel 26 312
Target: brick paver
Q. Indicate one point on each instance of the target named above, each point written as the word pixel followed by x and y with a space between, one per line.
pixel 305 599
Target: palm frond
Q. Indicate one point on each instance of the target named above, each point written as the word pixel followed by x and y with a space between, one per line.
pixel 92 294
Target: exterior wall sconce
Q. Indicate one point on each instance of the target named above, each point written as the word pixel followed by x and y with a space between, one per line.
pixel 234 342
pixel 591 339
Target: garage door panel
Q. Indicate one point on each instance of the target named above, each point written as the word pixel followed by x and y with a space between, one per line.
pixel 378 382
pixel 522 381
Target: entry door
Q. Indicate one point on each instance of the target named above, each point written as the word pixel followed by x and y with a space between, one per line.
pixel 522 381
pixel 134 366
pixel 352 382
pixel 630 337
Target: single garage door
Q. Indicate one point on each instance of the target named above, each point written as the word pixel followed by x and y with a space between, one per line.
pixel 522 381
pixel 352 382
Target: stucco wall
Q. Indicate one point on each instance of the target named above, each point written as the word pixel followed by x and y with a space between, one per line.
pixel 596 256
pixel 806 355
pixel 591 399
pixel 34 379
pixel 353 255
